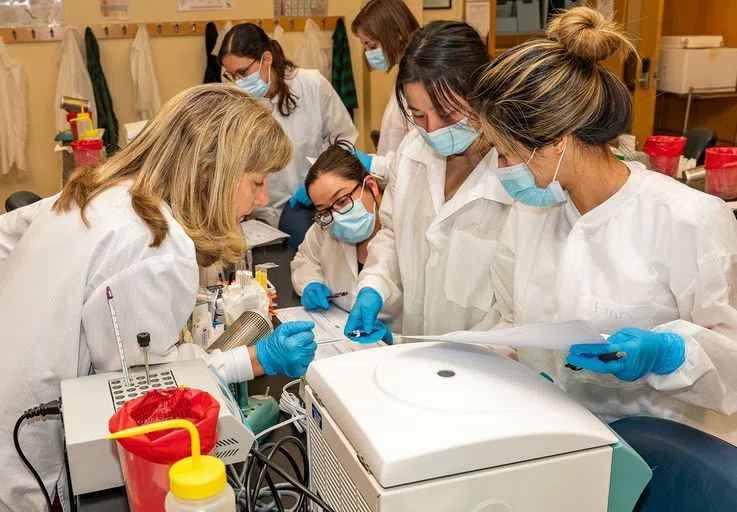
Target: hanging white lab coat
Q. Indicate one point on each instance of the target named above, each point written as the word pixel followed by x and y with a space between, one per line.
pixel 145 85
pixel 13 114
pixel 394 127
pixel 324 258
pixel 657 255
pixel 315 51
pixel 320 118
pixel 430 262
pixel 74 79
pixel 56 322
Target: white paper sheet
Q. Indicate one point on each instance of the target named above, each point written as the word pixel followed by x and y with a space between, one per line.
pixel 478 16
pixel 335 348
pixel 554 336
pixel 329 323
pixel 259 233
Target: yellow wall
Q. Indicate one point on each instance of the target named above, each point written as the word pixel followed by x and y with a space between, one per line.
pixel 179 63
pixel 454 13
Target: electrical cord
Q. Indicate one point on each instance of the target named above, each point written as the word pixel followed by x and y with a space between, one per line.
pixel 46 409
pixel 292 405
pixel 279 447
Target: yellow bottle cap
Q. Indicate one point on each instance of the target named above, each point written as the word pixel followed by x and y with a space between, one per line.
pixel 197 477
pixel 91 134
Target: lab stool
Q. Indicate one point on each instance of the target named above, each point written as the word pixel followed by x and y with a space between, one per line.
pixel 692 470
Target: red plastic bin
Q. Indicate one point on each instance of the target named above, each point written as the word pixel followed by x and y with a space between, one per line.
pixel 721 172
pixel 87 152
pixel 664 153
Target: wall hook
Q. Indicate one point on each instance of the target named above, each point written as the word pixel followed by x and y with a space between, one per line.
pixel 15 35
pixel 125 30
pixel 33 33
pixel 51 32
pixel 107 31
pixel 291 23
pixel 194 27
pixel 260 23
pixel 158 28
pixel 176 28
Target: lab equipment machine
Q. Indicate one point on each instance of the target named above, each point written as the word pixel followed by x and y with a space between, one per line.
pixel 455 427
pixel 89 402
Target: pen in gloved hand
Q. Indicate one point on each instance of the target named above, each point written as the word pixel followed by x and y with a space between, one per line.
pixel 604 358
pixel 336 295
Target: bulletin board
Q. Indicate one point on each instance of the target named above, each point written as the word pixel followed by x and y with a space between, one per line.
pixel 19 13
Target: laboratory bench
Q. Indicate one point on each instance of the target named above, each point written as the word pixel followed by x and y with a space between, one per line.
pixel 115 500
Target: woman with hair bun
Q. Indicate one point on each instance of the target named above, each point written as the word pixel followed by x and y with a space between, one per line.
pixel 638 255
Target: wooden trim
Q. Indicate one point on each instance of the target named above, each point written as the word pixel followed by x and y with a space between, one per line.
pixel 43 34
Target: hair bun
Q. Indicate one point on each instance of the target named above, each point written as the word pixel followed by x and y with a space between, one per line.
pixel 587 34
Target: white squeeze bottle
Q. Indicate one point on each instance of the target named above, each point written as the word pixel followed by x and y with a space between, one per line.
pixel 196 483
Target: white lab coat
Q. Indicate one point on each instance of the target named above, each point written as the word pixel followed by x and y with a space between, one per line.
pixel 13 113
pixel 323 258
pixel 430 261
pixel 656 255
pixel 145 85
pixel 56 322
pixel 315 51
pixel 320 118
pixel 394 127
pixel 74 79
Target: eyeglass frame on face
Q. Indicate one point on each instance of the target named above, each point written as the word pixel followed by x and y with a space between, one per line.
pixel 342 211
pixel 243 72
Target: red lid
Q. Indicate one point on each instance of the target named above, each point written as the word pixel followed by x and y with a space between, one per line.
pixel 663 145
pixel 87 145
pixel 719 158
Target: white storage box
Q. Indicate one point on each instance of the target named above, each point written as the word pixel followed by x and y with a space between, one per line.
pixel 691 42
pixel 706 70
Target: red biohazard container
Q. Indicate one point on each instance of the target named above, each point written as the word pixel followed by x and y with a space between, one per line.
pixel 721 172
pixel 664 153
pixel 147 458
pixel 87 152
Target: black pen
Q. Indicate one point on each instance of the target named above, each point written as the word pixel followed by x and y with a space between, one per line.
pixel 604 358
pixel 336 295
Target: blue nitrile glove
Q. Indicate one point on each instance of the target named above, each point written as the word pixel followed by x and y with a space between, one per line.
pixel 289 350
pixel 363 317
pixel 301 197
pixel 657 352
pixel 364 158
pixel 315 296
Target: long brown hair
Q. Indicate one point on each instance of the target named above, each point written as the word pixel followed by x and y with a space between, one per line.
pixel 191 156
pixel 544 89
pixel 249 40
pixel 390 22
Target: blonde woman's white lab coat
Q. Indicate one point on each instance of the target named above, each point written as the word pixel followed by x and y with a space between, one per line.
pixel 430 262
pixel 56 322
pixel 324 258
pixel 657 255
pixel 74 79
pixel 320 117
pixel 145 85
pixel 13 113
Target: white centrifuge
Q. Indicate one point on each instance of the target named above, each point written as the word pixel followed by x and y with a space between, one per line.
pixel 456 428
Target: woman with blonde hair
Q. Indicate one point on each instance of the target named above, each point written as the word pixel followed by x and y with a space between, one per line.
pixel 136 228
pixel 638 255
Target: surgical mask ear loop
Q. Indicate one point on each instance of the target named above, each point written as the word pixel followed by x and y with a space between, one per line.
pixel 360 198
pixel 560 160
pixel 530 159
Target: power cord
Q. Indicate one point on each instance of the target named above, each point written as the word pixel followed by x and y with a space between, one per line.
pixel 292 405
pixel 46 409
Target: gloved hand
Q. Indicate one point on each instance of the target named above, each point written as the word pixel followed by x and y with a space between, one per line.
pixel 301 197
pixel 364 158
pixel 657 352
pixel 363 317
pixel 315 296
pixel 289 350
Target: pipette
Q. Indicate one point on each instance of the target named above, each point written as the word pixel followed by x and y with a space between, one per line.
pixel 144 340
pixel 116 328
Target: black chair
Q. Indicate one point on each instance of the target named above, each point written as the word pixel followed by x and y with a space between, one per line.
pixel 692 470
pixel 20 199
pixel 697 141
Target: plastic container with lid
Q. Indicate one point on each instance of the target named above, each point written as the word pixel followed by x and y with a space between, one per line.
pixel 197 483
pixel 721 172
pixel 664 153
pixel 87 152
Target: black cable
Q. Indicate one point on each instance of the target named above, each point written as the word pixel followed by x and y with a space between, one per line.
pixel 274 493
pixel 42 410
pixel 264 460
pixel 279 446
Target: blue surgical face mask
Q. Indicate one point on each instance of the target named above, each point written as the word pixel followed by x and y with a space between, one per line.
pixel 377 59
pixel 450 140
pixel 253 84
pixel 519 183
pixel 356 225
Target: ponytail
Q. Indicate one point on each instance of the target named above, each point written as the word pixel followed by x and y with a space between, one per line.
pixel 249 40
